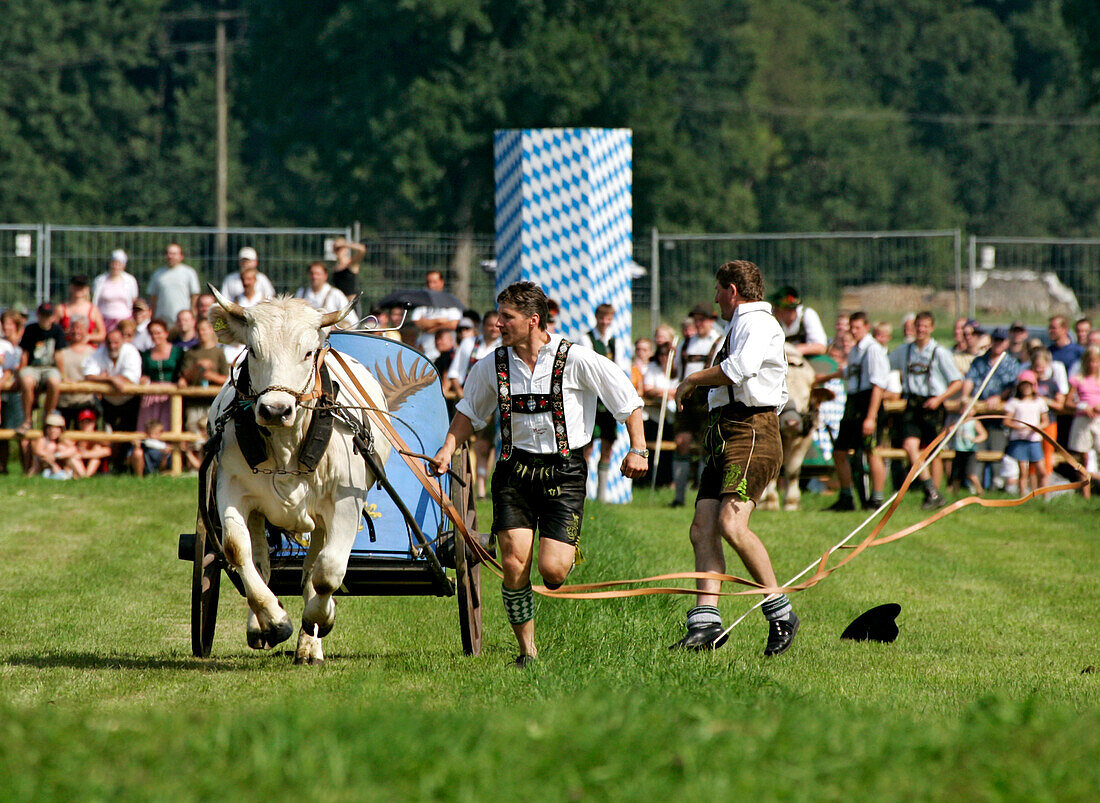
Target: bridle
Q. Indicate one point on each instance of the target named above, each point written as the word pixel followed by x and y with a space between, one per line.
pixel 303 395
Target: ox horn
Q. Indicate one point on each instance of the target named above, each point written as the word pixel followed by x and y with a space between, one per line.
pixel 234 309
pixel 332 318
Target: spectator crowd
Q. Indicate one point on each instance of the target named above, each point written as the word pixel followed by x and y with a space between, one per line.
pixel 107 330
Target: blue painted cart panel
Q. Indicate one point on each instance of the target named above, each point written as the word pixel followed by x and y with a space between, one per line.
pixel 421 420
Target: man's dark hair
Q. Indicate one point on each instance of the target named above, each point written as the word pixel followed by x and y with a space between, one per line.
pixel 309 267
pixel 745 276
pixel 528 298
pixel 79 280
pixel 926 315
pixel 602 308
pixel 859 316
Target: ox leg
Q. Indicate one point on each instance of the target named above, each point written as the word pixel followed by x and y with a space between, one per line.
pixel 792 470
pixel 267 616
pixel 323 577
pixel 770 499
pixel 261 559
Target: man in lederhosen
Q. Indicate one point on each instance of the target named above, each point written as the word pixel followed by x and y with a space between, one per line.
pixel 866 376
pixel 545 389
pixel 747 384
pixel 929 377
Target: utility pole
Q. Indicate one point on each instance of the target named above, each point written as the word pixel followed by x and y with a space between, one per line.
pixel 222 177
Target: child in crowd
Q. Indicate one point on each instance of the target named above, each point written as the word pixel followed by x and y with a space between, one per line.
pixel 92 453
pixel 964 468
pixel 150 455
pixel 1084 400
pixel 53 457
pixel 1025 445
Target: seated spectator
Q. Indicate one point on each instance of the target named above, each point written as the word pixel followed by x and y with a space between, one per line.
pixel 1083 328
pixel 159 365
pixel 93 454
pixel 251 293
pixel 79 304
pixel 203 304
pixel 1084 399
pixel 119 364
pixel 139 336
pixel 51 456
pixel 430 320
pixel 205 365
pixel 323 296
pixel 233 286
pixel 38 368
pixel 11 400
pixel 1063 348
pixel 882 331
pixel 150 455
pixel 183 334
pixel 1017 343
pixel 643 354
pixel 115 291
pixel 70 362
pixel 130 332
pixel 972 345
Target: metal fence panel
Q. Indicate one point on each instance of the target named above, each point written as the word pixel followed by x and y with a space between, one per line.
pixel 1076 263
pixel 885 273
pixel 20 266
pixel 85 250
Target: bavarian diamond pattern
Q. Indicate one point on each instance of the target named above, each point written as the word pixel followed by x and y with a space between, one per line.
pixel 563 216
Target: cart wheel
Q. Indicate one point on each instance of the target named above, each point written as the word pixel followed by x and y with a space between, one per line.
pixel 205 584
pixel 467 577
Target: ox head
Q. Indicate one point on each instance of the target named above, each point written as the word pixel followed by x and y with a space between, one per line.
pixel 284 337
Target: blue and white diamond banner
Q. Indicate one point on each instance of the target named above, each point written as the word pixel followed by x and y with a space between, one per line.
pixel 563 215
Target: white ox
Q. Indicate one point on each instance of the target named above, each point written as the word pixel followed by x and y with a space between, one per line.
pixel 283 337
pixel 796 429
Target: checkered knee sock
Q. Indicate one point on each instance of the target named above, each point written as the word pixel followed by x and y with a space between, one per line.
pixel 778 607
pixel 519 604
pixel 703 616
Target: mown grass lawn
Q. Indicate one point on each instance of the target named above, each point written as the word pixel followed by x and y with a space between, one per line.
pixel 989 691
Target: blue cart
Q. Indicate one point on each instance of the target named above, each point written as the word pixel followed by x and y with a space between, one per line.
pixel 405 544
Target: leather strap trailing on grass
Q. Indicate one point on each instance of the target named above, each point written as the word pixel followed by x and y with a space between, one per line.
pixel 613 589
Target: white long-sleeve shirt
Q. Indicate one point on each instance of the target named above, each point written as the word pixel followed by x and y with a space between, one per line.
pixel 756 363
pixel 586 376
pixel 127 365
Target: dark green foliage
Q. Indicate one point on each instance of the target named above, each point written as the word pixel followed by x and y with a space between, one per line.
pixel 747 114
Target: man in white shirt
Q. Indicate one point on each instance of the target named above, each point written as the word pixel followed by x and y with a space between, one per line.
pixel 545 390
pixel 801 325
pixel 118 363
pixel 866 379
pixel 173 287
pixel 747 384
pixel 429 320
pixel 323 296
pixel 233 285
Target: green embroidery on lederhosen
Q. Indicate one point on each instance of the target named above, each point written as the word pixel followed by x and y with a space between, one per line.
pixel 573 530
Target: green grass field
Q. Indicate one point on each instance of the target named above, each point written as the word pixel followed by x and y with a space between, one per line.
pixel 988 693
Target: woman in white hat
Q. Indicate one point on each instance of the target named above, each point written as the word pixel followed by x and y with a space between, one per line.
pixel 115 291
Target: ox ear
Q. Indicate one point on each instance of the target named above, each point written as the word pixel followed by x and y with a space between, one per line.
pixel 229 329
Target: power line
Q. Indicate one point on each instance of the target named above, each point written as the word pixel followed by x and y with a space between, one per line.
pixel 896 116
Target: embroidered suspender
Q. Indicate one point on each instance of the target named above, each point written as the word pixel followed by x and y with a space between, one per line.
pixel 530 403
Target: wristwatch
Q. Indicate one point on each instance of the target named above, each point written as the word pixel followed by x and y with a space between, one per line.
pixel 640 452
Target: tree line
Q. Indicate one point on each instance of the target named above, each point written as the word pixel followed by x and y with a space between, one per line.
pixel 748 115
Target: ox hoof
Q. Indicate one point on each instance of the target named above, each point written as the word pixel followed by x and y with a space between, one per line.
pixel 300 660
pixel 792 507
pixel 769 504
pixel 276 634
pixel 256 640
